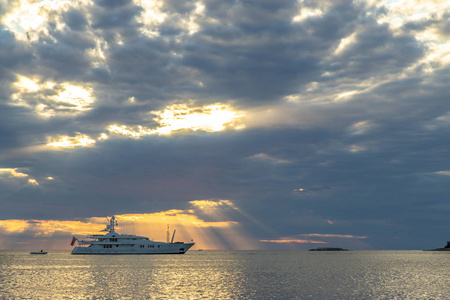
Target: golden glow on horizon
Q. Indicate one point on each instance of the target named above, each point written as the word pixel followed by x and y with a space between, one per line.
pixel 219 233
pixel 284 240
pixel 234 236
pixel 14 226
pixel 343 236
pixel 48 227
pixel 80 140
pixel 209 118
pixel 206 234
pixel 188 226
pixel 175 217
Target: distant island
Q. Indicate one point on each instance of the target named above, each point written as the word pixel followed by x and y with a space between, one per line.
pixel 328 249
pixel 446 248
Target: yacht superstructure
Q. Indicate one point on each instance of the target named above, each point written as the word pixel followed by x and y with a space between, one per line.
pixel 115 243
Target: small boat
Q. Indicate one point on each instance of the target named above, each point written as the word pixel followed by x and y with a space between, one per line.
pixel 39 252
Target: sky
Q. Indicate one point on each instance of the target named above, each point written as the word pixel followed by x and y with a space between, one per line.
pixel 242 124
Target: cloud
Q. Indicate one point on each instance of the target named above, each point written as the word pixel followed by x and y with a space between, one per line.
pixel 49 99
pixel 326 116
pixel 186 223
pixel 80 140
pixel 210 118
pixel 13 174
pixel 288 240
pixel 266 157
pixel 445 173
pixel 344 236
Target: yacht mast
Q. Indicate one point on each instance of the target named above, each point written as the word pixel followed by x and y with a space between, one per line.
pixel 112 223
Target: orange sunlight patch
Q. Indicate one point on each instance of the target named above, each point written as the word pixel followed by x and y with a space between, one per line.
pixel 344 236
pixel 220 232
pixel 14 225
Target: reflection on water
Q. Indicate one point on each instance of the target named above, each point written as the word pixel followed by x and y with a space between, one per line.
pixel 227 275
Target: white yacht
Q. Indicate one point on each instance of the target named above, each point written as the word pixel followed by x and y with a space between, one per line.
pixel 115 243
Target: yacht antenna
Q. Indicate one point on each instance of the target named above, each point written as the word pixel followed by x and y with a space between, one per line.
pixel 168 233
pixel 173 236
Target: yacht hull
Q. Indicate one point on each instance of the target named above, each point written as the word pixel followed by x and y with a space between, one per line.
pixel 145 250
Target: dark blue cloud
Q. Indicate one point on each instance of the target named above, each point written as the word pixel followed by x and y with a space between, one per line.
pixel 366 164
pixel 76 20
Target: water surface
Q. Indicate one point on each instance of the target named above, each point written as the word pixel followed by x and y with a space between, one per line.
pixel 227 275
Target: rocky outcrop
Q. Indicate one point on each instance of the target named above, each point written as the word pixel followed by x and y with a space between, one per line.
pixel 446 248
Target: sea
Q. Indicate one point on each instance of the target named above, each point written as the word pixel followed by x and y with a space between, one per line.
pixel 227 275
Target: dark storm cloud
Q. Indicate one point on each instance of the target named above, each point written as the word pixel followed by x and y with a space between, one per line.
pixel 181 7
pixel 75 19
pixel 117 18
pixel 442 25
pixel 376 50
pixel 63 59
pixel 13 55
pixel 366 164
pixel 254 53
pixel 113 3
